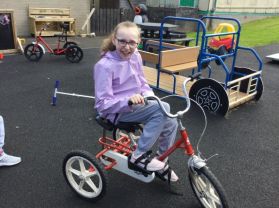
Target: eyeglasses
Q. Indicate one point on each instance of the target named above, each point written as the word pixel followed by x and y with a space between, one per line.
pixel 123 43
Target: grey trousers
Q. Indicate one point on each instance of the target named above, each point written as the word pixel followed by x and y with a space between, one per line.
pixel 156 126
pixel 2 133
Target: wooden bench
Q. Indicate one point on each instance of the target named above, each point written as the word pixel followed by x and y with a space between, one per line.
pixel 55 16
pixel 175 60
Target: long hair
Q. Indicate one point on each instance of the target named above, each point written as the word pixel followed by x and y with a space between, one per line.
pixel 107 44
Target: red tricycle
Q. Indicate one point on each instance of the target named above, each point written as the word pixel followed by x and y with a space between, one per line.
pixel 86 173
pixel 35 50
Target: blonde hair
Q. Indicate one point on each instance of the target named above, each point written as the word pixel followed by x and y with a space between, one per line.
pixel 108 45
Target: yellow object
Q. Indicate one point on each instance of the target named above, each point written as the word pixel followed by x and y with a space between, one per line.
pixel 223 28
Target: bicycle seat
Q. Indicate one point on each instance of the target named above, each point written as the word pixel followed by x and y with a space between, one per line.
pixel 60 35
pixel 108 125
pixel 65 26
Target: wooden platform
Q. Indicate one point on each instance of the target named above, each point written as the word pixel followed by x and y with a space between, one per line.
pixel 166 80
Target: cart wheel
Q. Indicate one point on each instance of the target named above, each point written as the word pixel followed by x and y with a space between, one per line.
pixel 211 95
pixel 207 188
pixel 74 54
pixel 244 83
pixel 260 89
pixel 85 175
pixel 68 44
pixel 33 52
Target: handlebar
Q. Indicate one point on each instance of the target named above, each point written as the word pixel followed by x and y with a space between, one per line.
pixel 179 113
pixel 45 26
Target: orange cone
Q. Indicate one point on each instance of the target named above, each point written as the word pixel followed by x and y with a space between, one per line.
pixel 1 56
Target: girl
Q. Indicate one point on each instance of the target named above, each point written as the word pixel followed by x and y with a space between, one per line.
pixel 118 79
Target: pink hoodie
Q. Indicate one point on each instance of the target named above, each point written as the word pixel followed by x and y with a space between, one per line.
pixel 116 80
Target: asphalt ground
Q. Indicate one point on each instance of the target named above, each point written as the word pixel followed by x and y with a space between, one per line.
pixel 246 140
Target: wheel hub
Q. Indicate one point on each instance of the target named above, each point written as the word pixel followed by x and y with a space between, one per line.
pixel 208 99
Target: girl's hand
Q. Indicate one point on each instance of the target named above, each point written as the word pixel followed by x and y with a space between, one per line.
pixel 137 99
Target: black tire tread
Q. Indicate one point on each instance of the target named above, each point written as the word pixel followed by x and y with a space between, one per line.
pixel 215 182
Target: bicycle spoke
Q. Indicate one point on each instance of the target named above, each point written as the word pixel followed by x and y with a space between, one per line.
pixel 91 185
pixel 81 184
pixel 212 195
pixel 74 171
pixel 81 165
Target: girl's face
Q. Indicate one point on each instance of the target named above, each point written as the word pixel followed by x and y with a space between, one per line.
pixel 126 41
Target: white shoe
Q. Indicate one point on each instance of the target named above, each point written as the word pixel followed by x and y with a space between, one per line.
pixel 9 160
pixel 165 171
pixel 152 165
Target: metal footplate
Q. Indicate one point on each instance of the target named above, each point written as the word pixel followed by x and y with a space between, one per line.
pixel 121 164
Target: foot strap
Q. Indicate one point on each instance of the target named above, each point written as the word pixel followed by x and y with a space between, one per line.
pixel 136 165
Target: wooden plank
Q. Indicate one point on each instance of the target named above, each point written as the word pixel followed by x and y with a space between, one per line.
pixel 181 67
pixel 240 99
pixel 179 56
pixel 49 11
pixel 155 43
pixel 166 80
pixel 149 57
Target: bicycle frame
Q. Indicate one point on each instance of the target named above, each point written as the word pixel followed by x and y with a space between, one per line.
pixel 59 51
pixel 122 145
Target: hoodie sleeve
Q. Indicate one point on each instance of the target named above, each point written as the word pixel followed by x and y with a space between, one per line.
pixel 105 101
pixel 145 89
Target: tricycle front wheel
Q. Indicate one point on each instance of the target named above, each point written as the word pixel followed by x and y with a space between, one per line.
pixel 85 175
pixel 33 52
pixel 207 188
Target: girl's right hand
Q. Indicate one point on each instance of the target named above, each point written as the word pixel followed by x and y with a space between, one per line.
pixel 136 99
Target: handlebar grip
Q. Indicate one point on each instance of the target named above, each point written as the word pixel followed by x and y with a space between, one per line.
pixel 145 102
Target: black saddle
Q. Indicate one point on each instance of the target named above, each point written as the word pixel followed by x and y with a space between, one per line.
pixel 108 125
pixel 65 26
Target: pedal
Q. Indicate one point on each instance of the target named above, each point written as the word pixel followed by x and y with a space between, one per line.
pixel 135 167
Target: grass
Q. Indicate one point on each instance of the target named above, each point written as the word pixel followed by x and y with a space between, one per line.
pixel 260 32
pixel 257 33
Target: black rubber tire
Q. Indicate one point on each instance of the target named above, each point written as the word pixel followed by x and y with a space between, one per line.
pixel 244 83
pixel 68 44
pixel 211 95
pixel 203 195
pixel 260 89
pixel 91 162
pixel 33 52
pixel 74 54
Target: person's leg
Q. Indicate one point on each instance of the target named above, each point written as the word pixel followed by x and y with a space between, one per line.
pixel 168 134
pixel 154 121
pixel 2 134
pixel 5 159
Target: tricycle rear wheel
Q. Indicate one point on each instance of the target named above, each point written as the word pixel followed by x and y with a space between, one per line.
pixel 74 54
pixel 85 175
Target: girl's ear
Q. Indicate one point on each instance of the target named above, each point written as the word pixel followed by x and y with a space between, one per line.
pixel 113 40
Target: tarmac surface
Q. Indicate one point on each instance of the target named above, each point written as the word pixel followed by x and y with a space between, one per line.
pixel 246 140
